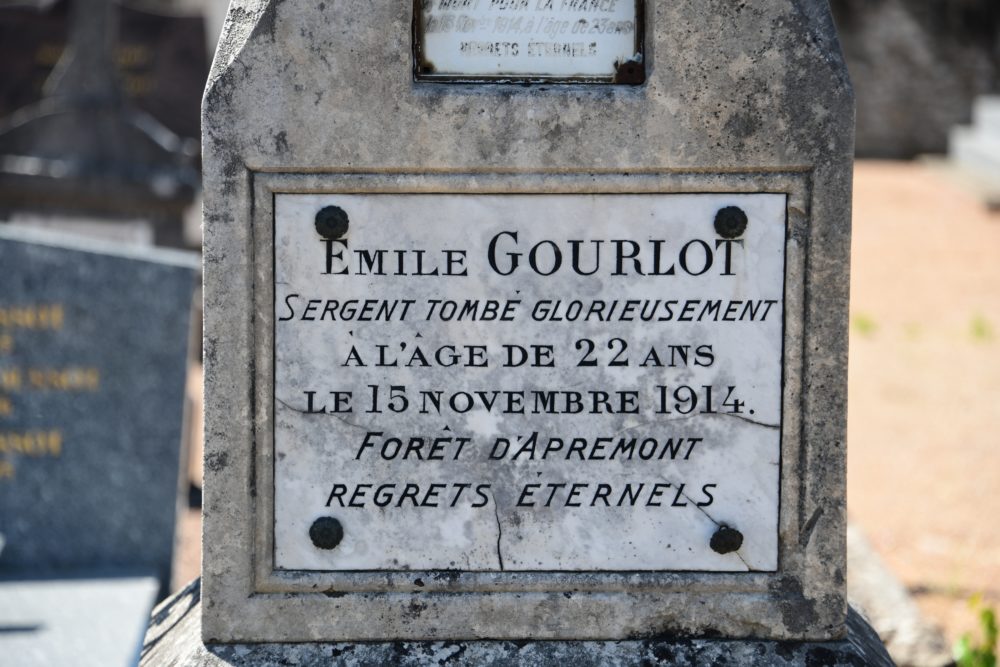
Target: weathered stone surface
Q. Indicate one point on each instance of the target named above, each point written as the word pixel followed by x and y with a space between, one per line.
pixel 93 360
pixel 319 98
pixel 173 640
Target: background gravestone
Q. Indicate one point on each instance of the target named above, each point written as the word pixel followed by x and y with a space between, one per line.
pixel 160 56
pixel 917 68
pixel 90 152
pixel 93 359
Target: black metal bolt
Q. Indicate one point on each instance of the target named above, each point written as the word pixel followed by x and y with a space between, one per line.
pixel 326 532
pixel 332 222
pixel 726 540
pixel 730 222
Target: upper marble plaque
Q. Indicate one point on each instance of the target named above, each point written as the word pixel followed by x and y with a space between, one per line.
pixel 559 382
pixel 595 41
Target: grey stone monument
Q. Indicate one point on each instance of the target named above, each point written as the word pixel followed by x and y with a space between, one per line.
pixel 524 320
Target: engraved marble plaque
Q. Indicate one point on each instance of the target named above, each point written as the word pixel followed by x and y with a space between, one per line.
pixel 529 40
pixel 528 382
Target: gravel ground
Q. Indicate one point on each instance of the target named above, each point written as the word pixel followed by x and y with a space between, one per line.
pixel 924 413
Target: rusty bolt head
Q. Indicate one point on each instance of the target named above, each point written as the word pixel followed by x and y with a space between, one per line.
pixel 326 532
pixel 730 222
pixel 726 540
pixel 332 222
pixel 630 72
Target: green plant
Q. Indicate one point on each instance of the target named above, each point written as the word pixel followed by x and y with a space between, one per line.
pixel 981 653
pixel 864 325
pixel 982 330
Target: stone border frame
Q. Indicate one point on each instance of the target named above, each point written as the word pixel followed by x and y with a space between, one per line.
pixel 804 599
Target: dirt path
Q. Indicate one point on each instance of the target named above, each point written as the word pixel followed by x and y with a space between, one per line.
pixel 924 404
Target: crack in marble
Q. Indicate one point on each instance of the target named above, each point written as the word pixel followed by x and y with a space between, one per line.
pixel 694 416
pixel 496 513
pixel 328 414
pixel 710 518
pixel 753 421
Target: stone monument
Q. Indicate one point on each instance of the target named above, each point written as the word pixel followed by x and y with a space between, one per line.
pixel 525 320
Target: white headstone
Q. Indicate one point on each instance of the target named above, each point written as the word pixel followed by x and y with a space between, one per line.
pixel 500 346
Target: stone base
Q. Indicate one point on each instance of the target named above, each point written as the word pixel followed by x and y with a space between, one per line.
pixel 174 640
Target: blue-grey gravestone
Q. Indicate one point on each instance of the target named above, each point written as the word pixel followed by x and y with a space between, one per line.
pixel 93 358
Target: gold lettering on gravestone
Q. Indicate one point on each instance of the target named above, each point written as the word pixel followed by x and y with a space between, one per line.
pixel 18 321
pixel 10 379
pixel 47 316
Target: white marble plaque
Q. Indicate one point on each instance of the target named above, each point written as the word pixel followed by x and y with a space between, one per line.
pixel 533 39
pixel 521 382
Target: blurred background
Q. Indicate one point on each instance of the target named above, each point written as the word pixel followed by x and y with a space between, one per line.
pixel 100 424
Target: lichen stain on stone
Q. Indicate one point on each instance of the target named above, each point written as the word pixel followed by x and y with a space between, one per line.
pixel 281 142
pixel 459 649
pixel 231 169
pixel 217 461
pixel 415 609
pixel 219 95
pixel 554 132
pixel 449 576
pixel 807 528
pixel 268 19
pixel 797 611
